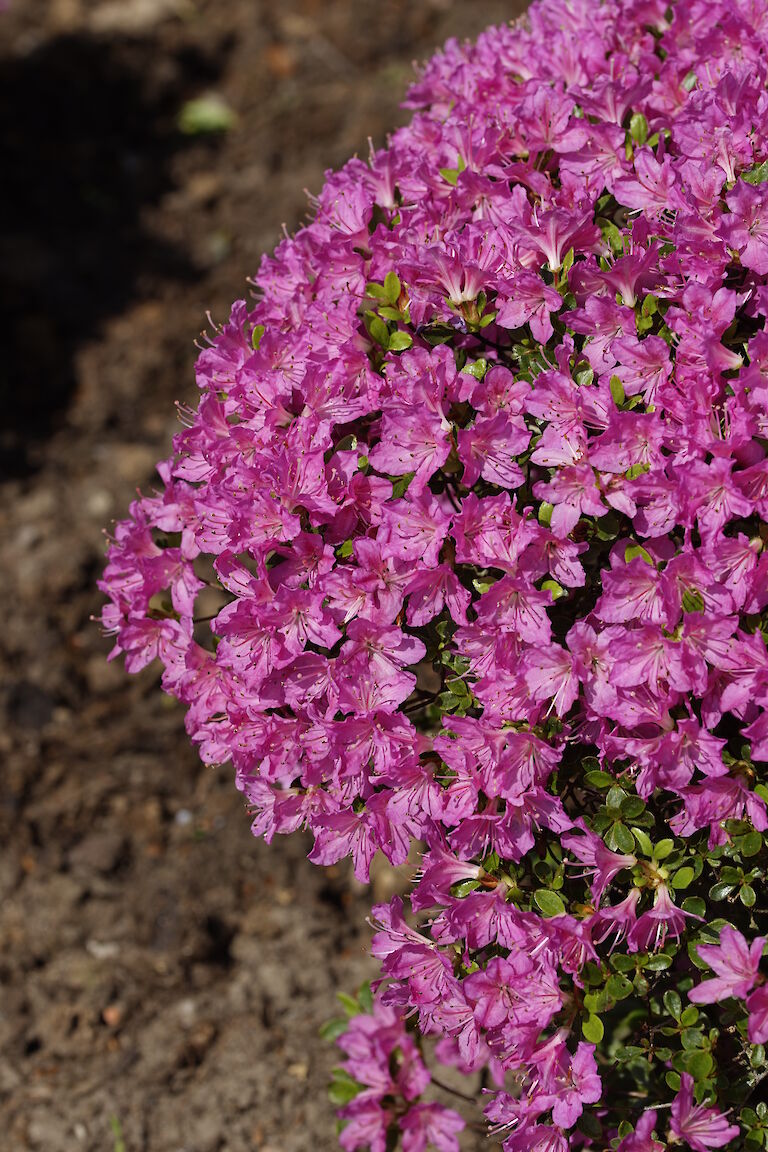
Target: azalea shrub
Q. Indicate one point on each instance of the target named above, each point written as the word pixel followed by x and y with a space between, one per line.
pixel 476 500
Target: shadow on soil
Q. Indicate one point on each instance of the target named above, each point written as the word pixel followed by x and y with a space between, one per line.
pixel 88 130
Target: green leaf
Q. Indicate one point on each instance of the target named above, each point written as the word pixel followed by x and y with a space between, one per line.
pixel 556 589
pixel 748 896
pixel 256 335
pixel 695 959
pixel 607 527
pixel 545 513
pixel 622 963
pixel 695 905
pixel 332 1029
pixel 620 839
pixel 638 128
pixel 476 368
pixel 457 687
pixel 365 997
pixel 400 486
pixel 643 841
pixel 117 1132
pixel 377 329
pixel 720 891
pixel 399 341
pixel 616 796
pixel 348 1003
pixel 612 235
pixel 689 82
pixel 659 962
pixel 750 844
pixel 464 887
pixel 699 1064
pixel 693 601
pixel 390 313
pixel 592 974
pixel 592 1029
pixel 618 987
pixel 633 550
pixel 548 903
pixel 663 848
pixel 673 1003
pixel 683 877
pixel 343 1088
pixel 689 1015
pixel 392 287
pixel 590 1125
pixel 632 807
pixel 378 291
pixel 206 115
pixel 599 779
pixel 756 175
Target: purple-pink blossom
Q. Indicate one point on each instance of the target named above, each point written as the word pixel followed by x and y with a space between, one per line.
pixel 463 552
pixel 697 1125
pixel 735 963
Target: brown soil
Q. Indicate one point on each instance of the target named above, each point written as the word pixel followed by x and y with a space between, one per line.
pixel 163 974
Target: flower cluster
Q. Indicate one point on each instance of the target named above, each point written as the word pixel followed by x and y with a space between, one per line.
pixel 381 1082
pixel 465 545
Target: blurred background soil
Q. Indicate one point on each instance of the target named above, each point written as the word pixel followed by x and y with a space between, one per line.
pixel 162 974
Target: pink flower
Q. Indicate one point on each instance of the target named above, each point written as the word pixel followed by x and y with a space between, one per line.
pixel 530 301
pixel 757 1006
pixel 490 448
pixel 574 493
pixel 551 674
pixel 580 1085
pixel 414 528
pixel 474 502
pixel 517 607
pixel 428 591
pixel 745 228
pixel 412 443
pixel 550 234
pixel 366 1126
pixel 736 963
pixel 602 864
pixel 663 920
pixel 617 920
pixel 652 184
pixel 641 1140
pixel 431 1124
pixel 697 1125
